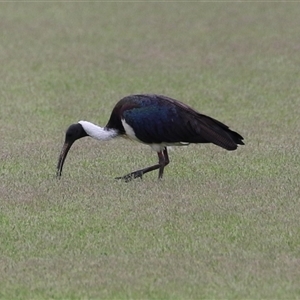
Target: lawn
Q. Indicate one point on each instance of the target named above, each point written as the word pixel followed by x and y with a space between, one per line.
pixel 220 225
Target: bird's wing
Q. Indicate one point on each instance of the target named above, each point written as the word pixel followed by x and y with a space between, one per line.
pixel 158 124
pixel 159 119
pixel 205 129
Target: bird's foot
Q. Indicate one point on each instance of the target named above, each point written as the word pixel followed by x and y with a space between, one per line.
pixel 130 176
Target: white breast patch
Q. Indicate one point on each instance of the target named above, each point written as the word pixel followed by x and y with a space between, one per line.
pixel 129 131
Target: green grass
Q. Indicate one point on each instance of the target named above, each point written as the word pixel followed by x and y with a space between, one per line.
pixel 220 225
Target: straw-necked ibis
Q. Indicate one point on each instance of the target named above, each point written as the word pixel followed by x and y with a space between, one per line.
pixel 157 121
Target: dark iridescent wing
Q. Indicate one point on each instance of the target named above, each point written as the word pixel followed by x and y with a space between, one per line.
pixel 158 119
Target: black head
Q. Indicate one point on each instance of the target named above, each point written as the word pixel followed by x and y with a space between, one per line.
pixel 73 133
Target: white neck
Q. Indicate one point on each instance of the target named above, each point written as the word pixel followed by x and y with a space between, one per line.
pixel 97 132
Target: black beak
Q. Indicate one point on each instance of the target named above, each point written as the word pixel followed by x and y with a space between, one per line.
pixel 63 154
pixel 74 132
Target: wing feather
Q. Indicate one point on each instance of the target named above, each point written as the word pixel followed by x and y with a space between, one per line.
pixel 159 119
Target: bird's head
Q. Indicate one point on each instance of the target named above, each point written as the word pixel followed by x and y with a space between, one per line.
pixel 73 133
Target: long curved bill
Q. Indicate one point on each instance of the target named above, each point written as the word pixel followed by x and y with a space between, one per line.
pixel 63 154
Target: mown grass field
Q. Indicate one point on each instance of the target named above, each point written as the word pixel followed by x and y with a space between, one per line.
pixel 220 225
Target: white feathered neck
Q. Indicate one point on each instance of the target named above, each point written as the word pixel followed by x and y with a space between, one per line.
pixel 97 132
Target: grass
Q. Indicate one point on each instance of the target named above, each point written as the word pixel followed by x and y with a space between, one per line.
pixel 220 224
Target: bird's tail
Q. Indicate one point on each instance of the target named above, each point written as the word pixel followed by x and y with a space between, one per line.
pixel 215 132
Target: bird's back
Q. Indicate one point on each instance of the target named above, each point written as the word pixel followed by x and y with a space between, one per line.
pixel 160 119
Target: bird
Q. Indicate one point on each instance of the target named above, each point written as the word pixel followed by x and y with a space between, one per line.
pixel 155 120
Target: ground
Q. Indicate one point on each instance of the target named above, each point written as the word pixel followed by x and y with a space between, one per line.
pixel 220 224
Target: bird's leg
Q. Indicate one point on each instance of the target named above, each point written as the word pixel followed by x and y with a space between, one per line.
pixel 163 160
